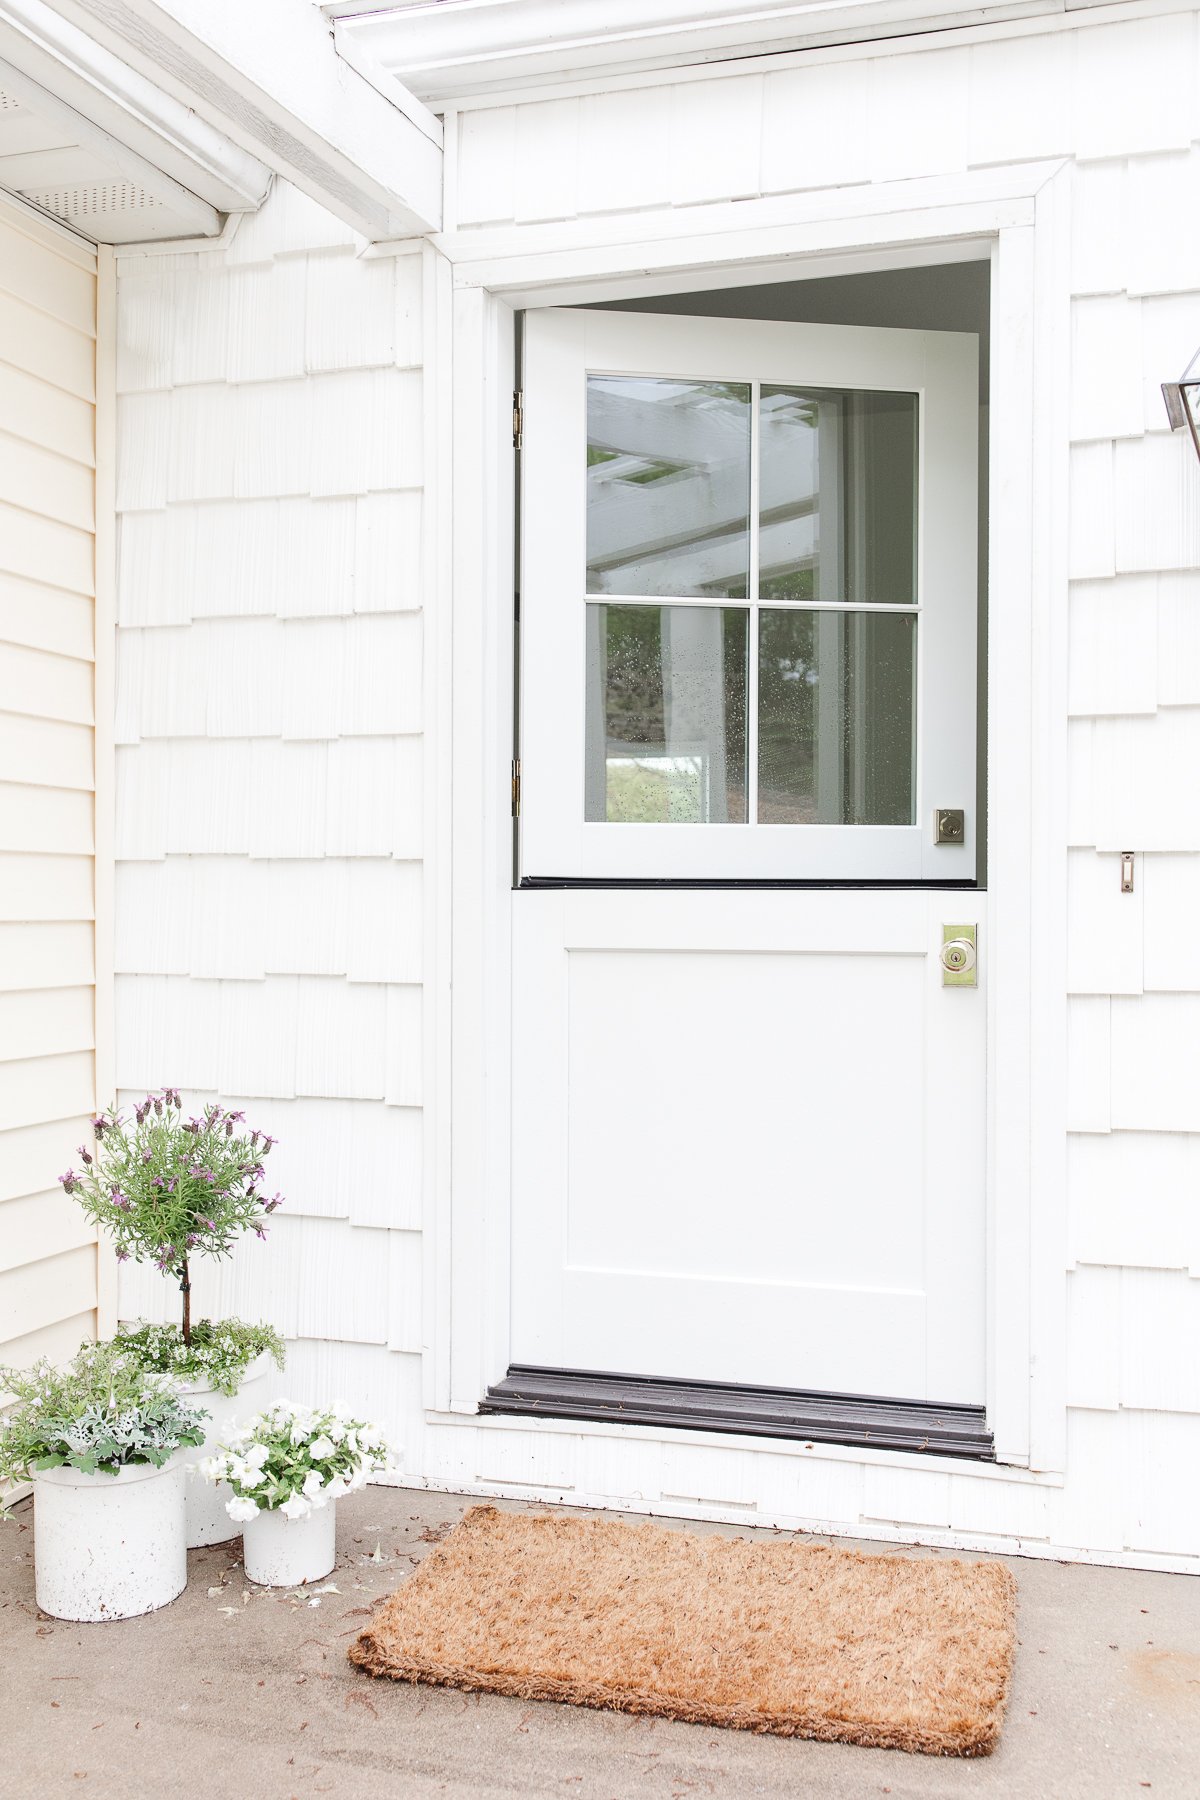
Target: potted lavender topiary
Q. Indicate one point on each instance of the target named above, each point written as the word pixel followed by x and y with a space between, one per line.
pixel 168 1189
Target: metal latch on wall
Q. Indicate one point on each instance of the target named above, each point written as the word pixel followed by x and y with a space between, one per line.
pixel 518 419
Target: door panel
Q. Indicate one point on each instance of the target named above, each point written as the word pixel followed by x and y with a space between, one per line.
pixel 748 1141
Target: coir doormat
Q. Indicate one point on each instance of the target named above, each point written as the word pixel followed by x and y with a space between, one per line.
pixel 910 1653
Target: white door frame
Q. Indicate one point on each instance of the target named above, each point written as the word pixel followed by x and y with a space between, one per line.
pixel 1019 216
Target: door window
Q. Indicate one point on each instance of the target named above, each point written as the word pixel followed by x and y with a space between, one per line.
pixel 749 604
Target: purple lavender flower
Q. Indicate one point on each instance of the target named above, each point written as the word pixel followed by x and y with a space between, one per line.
pixel 122 1256
pixel 68 1181
pixel 260 1233
pixel 86 1155
pixel 99 1124
pixel 145 1156
pixel 270 1205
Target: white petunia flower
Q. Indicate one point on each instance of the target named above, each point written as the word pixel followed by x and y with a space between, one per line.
pixel 240 1509
pixel 257 1456
pixel 320 1448
pixel 313 1483
pixel 296 1508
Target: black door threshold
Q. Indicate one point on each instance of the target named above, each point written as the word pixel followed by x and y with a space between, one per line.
pixel 858 1420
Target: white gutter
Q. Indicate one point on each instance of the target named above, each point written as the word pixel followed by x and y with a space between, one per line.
pixel 447 49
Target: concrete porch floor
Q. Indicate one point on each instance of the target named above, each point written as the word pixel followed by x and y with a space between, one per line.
pixel 238 1693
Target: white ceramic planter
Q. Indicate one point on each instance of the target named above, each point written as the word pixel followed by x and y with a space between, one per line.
pixel 282 1552
pixel 207 1520
pixel 109 1546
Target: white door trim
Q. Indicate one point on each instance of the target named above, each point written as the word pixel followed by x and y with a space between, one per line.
pixel 1027 227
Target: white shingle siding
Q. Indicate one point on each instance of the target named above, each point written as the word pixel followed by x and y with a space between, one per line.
pixel 270 761
pixel 269 765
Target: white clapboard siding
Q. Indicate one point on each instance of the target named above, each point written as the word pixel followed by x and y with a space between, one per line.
pixel 44 618
pixel 48 1269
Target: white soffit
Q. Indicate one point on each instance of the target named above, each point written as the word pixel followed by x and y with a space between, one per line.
pixel 444 50
pixel 266 74
pixel 94 144
pixel 50 159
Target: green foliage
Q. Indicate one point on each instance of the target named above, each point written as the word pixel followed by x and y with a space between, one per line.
pixel 295 1459
pixel 99 1414
pixel 166 1188
pixel 220 1351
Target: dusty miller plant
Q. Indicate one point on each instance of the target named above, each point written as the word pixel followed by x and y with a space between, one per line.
pixel 167 1188
pixel 100 1413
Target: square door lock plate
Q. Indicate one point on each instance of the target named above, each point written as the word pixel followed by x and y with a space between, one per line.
pixel 949 825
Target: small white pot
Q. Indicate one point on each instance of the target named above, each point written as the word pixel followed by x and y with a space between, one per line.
pixel 282 1552
pixel 207 1520
pixel 109 1546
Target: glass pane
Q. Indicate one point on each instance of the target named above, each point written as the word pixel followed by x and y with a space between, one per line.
pixel 666 715
pixel 835 717
pixel 838 511
pixel 668 487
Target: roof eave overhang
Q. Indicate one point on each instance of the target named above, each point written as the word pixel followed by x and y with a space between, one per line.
pixel 449 52
pixel 265 81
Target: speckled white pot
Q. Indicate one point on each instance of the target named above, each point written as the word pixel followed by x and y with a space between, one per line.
pixel 109 1546
pixel 207 1520
pixel 282 1552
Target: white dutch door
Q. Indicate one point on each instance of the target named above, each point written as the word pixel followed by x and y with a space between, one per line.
pixel 748 1135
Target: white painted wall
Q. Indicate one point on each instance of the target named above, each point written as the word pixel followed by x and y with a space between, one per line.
pixel 48 827
pixel 269 782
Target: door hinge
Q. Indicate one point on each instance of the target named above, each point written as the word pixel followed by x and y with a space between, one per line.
pixel 518 419
pixel 516 787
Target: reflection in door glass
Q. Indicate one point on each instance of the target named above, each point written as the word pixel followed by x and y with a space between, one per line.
pixel 838 496
pixel 666 715
pixel 835 717
pixel 668 486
